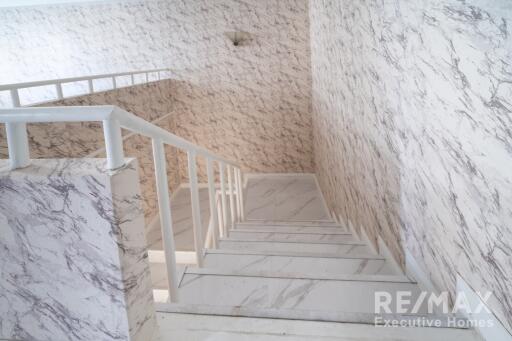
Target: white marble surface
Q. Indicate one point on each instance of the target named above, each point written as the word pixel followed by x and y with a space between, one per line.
pixel 279 293
pixel 226 328
pixel 310 248
pixel 73 253
pixel 412 117
pixel 309 265
pixel 291 237
pixel 284 197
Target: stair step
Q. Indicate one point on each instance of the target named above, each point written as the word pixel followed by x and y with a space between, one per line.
pixel 296 275
pixel 298 264
pixel 293 229
pixel 175 326
pixel 445 325
pixel 285 293
pixel 337 249
pixel 291 237
pixel 286 241
pixel 324 223
pixel 369 255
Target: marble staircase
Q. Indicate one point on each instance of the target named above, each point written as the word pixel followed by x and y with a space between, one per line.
pixel 310 270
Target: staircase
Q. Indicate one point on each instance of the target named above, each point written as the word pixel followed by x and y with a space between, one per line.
pixel 314 270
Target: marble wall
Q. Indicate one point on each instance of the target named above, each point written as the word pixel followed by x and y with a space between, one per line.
pixel 251 103
pixel 73 253
pixel 412 118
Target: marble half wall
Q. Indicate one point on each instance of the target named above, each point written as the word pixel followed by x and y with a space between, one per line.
pixel 149 101
pixel 73 253
pixel 412 118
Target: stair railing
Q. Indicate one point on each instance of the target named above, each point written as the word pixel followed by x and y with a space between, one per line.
pixel 113 119
pixel 151 75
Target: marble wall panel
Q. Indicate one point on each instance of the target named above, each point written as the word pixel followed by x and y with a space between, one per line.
pixel 73 253
pixel 412 126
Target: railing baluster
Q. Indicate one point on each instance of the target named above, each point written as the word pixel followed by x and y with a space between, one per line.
pixel 114 83
pixel 223 199
pixel 162 189
pixel 113 144
pixel 90 85
pixel 58 88
pixel 237 191
pixel 241 194
pixel 133 79
pixel 218 208
pixel 17 138
pixel 231 197
pixel 196 211
pixel 213 201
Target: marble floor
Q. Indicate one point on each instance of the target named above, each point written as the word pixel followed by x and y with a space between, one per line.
pixel 283 197
pixel 227 328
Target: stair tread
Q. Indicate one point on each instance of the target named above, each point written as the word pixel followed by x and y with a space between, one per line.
pixel 293 229
pixel 286 293
pixel 291 237
pixel 368 255
pixel 337 249
pixel 300 314
pixel 259 262
pixel 288 241
pixel 298 275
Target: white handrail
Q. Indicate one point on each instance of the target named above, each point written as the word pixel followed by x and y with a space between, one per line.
pixel 59 94
pixel 113 119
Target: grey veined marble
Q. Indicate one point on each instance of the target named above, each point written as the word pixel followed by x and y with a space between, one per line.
pixel 412 117
pixel 72 253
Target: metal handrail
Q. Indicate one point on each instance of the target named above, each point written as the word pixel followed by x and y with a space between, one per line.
pixel 113 119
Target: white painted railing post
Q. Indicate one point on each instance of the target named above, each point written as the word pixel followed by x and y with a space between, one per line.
pixel 241 194
pixel 237 191
pixel 17 138
pixel 164 205
pixel 90 85
pixel 196 210
pixel 231 198
pixel 58 88
pixel 113 144
pixel 114 82
pixel 213 200
pixel 223 199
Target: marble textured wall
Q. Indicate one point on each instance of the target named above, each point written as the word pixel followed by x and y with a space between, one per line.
pixel 149 101
pixel 412 114
pixel 251 103
pixel 73 253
